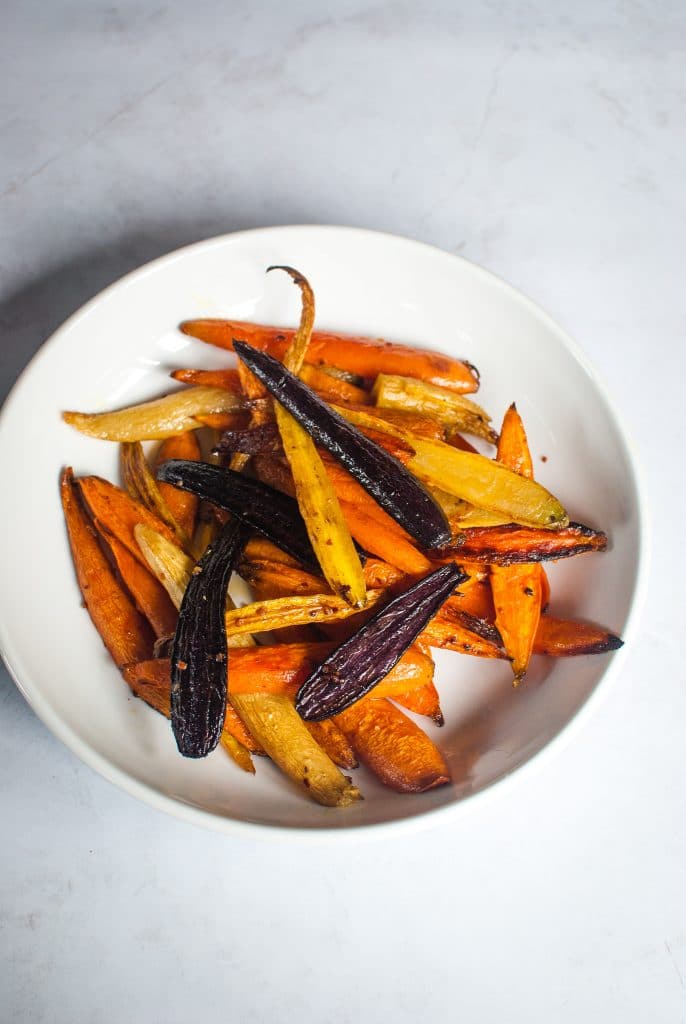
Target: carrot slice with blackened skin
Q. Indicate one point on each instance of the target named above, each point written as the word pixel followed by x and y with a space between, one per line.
pixel 565 638
pixel 124 631
pixel 392 746
pixel 182 504
pixel 365 357
pixel 510 544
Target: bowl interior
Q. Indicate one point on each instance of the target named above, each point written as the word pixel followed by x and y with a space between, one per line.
pixel 120 349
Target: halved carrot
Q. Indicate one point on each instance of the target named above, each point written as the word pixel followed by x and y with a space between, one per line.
pixel 449 632
pixel 117 513
pixel 331 388
pixel 334 741
pixel 282 668
pixel 564 638
pixel 150 596
pixel 124 630
pixel 182 504
pixel 392 746
pixel 151 681
pixel 517 589
pixel 365 357
pixel 511 544
pixel 221 421
pixel 422 701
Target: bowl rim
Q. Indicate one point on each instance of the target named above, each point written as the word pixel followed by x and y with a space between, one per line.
pixel 422 819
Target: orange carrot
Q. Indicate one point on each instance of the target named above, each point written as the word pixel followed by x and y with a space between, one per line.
pixel 334 741
pixel 392 746
pixel 517 589
pixel 422 701
pixel 150 596
pixel 282 668
pixel 366 357
pixel 564 638
pixel 182 504
pixel 124 631
pixel 115 512
pixel 327 386
pixel 511 544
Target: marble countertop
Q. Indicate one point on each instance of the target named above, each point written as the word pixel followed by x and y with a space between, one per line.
pixel 544 141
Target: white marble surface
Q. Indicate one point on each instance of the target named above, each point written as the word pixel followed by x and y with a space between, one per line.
pixel 543 140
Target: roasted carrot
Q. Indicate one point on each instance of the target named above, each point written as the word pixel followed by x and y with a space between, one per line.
pixel 393 747
pixel 517 589
pixel 281 668
pixel 182 504
pixel 511 544
pixel 422 701
pixel 151 681
pixel 124 630
pixel 149 595
pixel 334 741
pixel 115 512
pixel 327 386
pixel 366 357
pixel 564 638
pixel 228 379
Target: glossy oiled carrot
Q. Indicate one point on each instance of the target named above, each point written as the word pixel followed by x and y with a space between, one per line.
pixel 564 638
pixel 334 741
pixel 422 701
pixel 281 668
pixel 117 513
pixel 327 386
pixel 511 544
pixel 149 595
pixel 392 746
pixel 366 357
pixel 182 504
pixel 373 529
pixel 517 589
pixel 124 630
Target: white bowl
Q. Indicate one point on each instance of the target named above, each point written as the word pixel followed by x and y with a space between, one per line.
pixel 119 349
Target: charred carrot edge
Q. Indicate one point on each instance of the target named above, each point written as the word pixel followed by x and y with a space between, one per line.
pixel 393 747
pixel 151 681
pixel 423 701
pixel 517 589
pixel 149 595
pixel 511 544
pixel 182 505
pixel 124 631
pixel 115 512
pixel 565 638
pixel 334 742
pixel 365 357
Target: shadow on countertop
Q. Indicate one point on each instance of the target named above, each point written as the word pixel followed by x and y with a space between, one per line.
pixel 33 312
